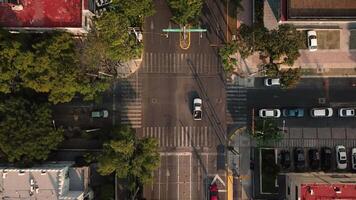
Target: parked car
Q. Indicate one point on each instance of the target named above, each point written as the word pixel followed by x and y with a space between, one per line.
pixel 353 158
pixel 272 82
pixel 321 112
pixel 293 112
pixel 197 109
pixel 347 112
pixel 312 41
pixel 299 158
pixel 100 114
pixel 314 159
pixel 341 158
pixel 326 155
pixel 285 159
pixel 213 189
pixel 270 113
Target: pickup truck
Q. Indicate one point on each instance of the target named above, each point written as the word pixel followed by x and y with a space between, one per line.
pixel 197 112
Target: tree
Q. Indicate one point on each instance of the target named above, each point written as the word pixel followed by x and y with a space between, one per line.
pixel 185 11
pixel 129 157
pixel 226 53
pixel 251 39
pixel 290 77
pixel 135 10
pixel 112 30
pixel 46 63
pixel 267 130
pixel 27 133
pixel 283 43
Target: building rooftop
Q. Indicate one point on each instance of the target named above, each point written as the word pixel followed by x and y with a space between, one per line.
pixel 328 191
pixel 51 181
pixel 41 13
pixel 318 9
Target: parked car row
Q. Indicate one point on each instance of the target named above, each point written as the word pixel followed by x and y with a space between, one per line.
pixel 318 160
pixel 299 112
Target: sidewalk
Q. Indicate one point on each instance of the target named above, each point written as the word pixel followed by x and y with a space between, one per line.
pixel 241 163
pixel 323 63
pixel 126 69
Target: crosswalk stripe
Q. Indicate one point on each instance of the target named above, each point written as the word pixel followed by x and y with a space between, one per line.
pixel 179 136
pixel 177 63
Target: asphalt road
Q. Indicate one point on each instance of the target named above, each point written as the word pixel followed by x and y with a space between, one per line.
pixel 309 93
pixel 171 78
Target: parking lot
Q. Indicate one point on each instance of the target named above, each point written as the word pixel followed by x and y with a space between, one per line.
pixel 307 168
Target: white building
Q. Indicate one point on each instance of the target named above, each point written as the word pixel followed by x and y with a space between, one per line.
pixel 54 181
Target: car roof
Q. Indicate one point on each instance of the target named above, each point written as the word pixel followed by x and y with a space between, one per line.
pixel 197 100
pixel 319 111
pixel 269 112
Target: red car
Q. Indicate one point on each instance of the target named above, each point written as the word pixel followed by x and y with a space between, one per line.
pixel 213 191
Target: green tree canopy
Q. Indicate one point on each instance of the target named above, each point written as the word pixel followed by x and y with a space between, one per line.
pixel 283 43
pixel 185 11
pixel 46 63
pixel 111 40
pixel 27 132
pixel 267 130
pixel 226 53
pixel 129 157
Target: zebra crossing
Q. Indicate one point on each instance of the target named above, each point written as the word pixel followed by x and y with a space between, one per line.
pixel 180 136
pixel 130 102
pixel 236 99
pixel 186 63
pixel 314 142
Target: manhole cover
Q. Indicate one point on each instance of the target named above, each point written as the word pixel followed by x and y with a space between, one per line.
pixel 322 100
pixel 154 100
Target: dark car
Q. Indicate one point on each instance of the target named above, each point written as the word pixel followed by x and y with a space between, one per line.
pixel 326 154
pixel 293 112
pixel 314 159
pixel 299 158
pixel 285 159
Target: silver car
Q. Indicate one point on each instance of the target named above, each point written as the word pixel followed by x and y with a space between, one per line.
pixel 347 112
pixel 321 112
pixel 272 82
pixel 353 158
pixel 270 113
pixel 341 158
pixel 312 41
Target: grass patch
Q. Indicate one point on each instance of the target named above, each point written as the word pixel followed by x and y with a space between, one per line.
pixel 305 38
pixel 268 179
pixel 328 39
pixel 353 39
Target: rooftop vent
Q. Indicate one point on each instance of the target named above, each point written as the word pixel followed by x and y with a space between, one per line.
pixel 337 190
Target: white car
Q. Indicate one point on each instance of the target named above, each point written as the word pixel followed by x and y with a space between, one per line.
pixel 272 82
pixel 321 112
pixel 270 113
pixel 353 158
pixel 312 41
pixel 197 110
pixel 341 158
pixel 346 112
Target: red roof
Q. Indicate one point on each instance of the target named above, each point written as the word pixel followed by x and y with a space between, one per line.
pixel 328 191
pixel 42 14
